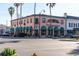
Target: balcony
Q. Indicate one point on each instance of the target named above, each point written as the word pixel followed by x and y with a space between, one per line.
pixel 54 24
pixel 36 22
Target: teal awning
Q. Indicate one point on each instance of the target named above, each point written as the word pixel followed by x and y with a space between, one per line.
pixel 56 28
pixel 61 28
pixel 12 30
pixel 23 28
pixel 17 28
pixel 50 28
pixel 20 28
pixel 36 28
pixel 43 28
pixel 27 28
pixel 30 28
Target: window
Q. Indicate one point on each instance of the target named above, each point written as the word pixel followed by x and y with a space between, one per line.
pixel 55 21
pixel 31 20
pixel 36 20
pixel 27 20
pixel 36 28
pixel 24 22
pixel 62 21
pixel 49 20
pixel 20 22
pixel 78 24
pixel 74 24
pixel 43 20
pixel 69 24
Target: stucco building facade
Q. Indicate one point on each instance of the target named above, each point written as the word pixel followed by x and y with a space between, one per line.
pixel 39 25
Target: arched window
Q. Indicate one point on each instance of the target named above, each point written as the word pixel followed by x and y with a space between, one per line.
pixel 30 20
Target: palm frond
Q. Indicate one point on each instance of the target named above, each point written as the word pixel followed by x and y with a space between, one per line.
pixel 16 4
pixel 47 4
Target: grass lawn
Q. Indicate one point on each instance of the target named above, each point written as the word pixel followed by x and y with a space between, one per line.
pixel 71 40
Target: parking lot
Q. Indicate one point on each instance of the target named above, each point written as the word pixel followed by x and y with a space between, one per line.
pixel 42 47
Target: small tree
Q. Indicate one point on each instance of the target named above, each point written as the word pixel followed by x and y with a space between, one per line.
pixel 34 54
pixel 8 52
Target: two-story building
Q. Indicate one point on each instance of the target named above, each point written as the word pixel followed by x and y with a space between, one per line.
pixel 39 25
pixel 72 24
pixel 4 30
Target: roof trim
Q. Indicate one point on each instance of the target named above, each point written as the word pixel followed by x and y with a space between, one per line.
pixel 39 15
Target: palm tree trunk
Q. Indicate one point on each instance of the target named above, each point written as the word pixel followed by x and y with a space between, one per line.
pixel 21 10
pixel 50 10
pixel 34 8
pixel 17 12
pixel 11 17
pixel 50 17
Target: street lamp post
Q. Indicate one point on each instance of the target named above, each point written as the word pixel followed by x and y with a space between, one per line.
pixel 39 21
pixel 34 18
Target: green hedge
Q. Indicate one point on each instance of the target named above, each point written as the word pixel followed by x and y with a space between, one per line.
pixel 8 52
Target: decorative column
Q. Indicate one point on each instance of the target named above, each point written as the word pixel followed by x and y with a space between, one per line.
pixel 65 32
pixel 59 31
pixel 40 31
pixel 14 31
pixel 53 32
pixel 46 31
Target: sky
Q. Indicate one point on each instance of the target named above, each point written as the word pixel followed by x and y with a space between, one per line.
pixel 28 9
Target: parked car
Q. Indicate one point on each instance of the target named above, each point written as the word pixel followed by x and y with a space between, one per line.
pixel 49 36
pixel 75 36
pixel 68 36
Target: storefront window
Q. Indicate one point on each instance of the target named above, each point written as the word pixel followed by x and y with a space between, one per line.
pixel 36 28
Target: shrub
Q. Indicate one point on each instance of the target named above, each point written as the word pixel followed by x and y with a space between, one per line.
pixel 34 54
pixel 8 52
pixel 20 34
pixel 77 38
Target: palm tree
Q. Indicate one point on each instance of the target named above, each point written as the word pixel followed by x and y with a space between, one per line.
pixel 34 8
pixel 51 5
pixel 11 11
pixel 17 5
pixel 21 4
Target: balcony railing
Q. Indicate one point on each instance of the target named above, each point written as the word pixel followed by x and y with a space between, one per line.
pixel 56 24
